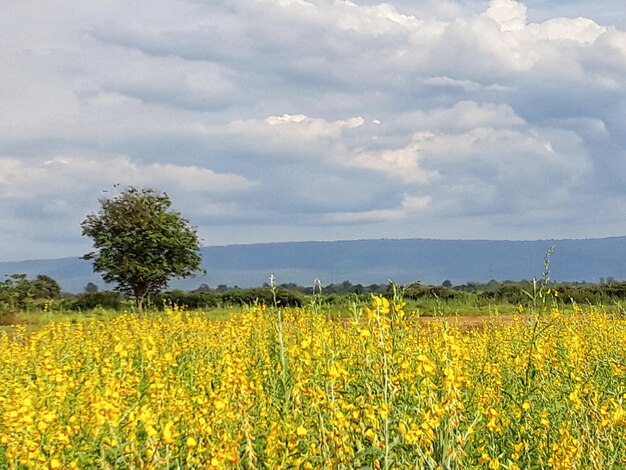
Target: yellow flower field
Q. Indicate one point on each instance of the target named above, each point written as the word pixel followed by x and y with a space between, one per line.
pixel 291 388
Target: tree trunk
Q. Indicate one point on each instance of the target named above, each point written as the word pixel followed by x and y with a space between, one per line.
pixel 139 305
pixel 140 293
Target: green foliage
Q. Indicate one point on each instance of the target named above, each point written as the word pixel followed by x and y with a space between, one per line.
pixel 436 292
pixel 19 292
pixel 228 297
pixel 91 287
pixel 140 243
pixel 91 300
pixel 44 287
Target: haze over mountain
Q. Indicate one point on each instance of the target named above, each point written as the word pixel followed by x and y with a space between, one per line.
pixel 373 261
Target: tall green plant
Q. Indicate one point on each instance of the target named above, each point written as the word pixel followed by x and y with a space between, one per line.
pixel 541 288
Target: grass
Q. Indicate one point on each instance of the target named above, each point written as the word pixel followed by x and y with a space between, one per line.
pixel 36 319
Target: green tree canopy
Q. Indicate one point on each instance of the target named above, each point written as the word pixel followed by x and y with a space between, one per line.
pixel 140 243
pixel 17 291
pixel 90 288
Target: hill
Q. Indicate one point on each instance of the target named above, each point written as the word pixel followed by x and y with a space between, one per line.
pixel 374 261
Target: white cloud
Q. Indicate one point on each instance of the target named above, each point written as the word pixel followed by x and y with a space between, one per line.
pixel 509 14
pixel 416 203
pixel 612 45
pixel 581 30
pixel 376 20
pixel 171 80
pixel 62 177
pixel 405 163
pixel 46 198
pixel 293 135
pixel 310 128
pixel 466 85
pixel 402 164
pixel 409 206
pixel 468 115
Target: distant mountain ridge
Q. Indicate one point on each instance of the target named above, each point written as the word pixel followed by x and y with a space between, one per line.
pixel 373 261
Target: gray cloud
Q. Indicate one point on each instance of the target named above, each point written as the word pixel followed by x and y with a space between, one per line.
pixel 300 119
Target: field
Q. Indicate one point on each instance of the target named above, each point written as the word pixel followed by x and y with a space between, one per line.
pixel 271 387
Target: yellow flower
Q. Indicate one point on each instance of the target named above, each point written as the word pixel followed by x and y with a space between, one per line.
pixel 333 372
pixel 494 464
pixel 168 437
pixel 301 431
pixel 380 304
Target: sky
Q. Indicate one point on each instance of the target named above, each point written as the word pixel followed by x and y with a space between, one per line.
pixel 287 120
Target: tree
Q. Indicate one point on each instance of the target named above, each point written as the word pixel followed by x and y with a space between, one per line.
pixel 90 288
pixel 18 291
pixel 45 287
pixel 141 243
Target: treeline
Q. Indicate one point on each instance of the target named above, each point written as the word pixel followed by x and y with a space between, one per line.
pixel 492 292
pixel 191 300
pixel 17 292
pixel 342 288
pixel 515 293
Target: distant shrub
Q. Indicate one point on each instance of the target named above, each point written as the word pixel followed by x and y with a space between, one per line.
pixel 202 300
pixel 513 294
pixel 433 292
pixel 195 300
pixel 90 300
pixel 593 293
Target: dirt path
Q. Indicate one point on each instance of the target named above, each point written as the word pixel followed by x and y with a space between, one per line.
pixel 470 321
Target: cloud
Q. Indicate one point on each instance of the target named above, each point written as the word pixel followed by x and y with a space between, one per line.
pixel 409 206
pixel 173 81
pixel 468 115
pixel 402 164
pixel 580 30
pixel 87 172
pixel 467 86
pixel 296 119
pixel 298 128
pixel 48 198
pixel 405 163
pixel 509 14
pixel 611 14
